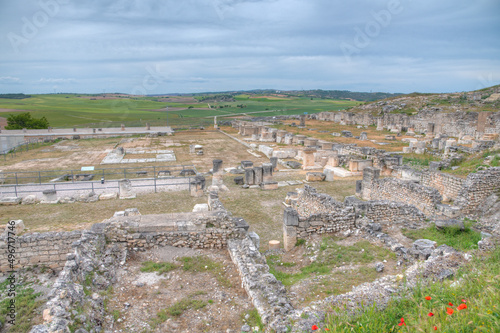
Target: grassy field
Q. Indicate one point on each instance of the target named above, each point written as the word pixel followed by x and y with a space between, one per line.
pixel 67 110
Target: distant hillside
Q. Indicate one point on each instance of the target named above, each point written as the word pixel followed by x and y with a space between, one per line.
pixel 318 93
pixel 487 99
pixel 14 96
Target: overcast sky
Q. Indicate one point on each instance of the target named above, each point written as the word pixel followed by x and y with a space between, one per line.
pixel 167 46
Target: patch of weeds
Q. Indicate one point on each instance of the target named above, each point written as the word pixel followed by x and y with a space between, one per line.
pixel 331 255
pixel 427 306
pixel 300 242
pixel 159 267
pixel 26 304
pixel 253 320
pixel 116 314
pixel 205 264
pixel 178 309
pixel 452 236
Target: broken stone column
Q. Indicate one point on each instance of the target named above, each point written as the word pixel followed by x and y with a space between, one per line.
pixel 430 129
pixel 420 147
pixel 148 127
pixel 325 145
pixel 258 175
pixel 217 173
pixel 299 139
pixel 274 162
pixel 310 142
pixel 308 158
pixel 363 136
pixel 246 164
pixel 249 176
pixel 290 224
pixel 302 120
pixel 197 186
pixel 267 172
pixel 126 190
pixel 49 196
pixel 123 127
pixel 288 139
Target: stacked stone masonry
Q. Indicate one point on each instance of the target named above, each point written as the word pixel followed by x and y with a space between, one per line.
pixel 424 198
pixel 42 249
pixel 476 188
pixel 448 185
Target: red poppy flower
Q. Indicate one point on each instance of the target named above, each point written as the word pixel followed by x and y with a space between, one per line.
pixel 449 311
pixel 462 306
pixel 327 329
pixel 450 304
pixel 402 322
pixel 464 301
pixel 430 314
pixel 435 328
pixel 428 298
pixel 314 327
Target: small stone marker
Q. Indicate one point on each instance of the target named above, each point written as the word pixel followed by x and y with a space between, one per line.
pixel 274 245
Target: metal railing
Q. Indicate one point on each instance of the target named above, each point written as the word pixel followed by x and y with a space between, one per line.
pixel 15 183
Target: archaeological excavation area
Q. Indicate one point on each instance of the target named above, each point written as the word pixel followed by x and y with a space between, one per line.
pixel 272 225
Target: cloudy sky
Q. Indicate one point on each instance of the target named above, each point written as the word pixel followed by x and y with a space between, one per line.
pixel 168 46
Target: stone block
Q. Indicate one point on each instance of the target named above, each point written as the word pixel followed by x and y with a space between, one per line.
pixel 290 217
pixel 10 201
pixel 126 190
pixel 108 196
pixel 315 176
pixel 268 186
pixel 329 175
pixel 200 208
pixel 246 164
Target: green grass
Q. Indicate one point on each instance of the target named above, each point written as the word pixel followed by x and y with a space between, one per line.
pixel 479 286
pixel 159 267
pixel 419 159
pixel 67 110
pixel 254 319
pixel 26 305
pixel 205 264
pixel 330 255
pixel 178 309
pixel 476 162
pixel 451 236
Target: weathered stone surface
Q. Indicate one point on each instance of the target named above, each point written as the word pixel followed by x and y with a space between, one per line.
pixel 29 200
pixel 126 190
pixel 10 201
pixel 239 180
pixel 108 196
pixel 441 224
pixel 315 176
pixel 422 248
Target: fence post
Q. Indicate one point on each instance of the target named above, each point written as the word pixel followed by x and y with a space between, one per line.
pixel 124 173
pixel 154 175
pixel 92 186
pixel 15 189
pixel 40 177
pixel 16 177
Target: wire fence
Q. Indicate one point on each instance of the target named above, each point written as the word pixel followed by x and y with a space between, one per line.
pixel 156 178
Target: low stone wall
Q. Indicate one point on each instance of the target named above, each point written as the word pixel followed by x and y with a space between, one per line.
pixel 315 213
pixel 448 185
pixel 390 212
pixel 268 295
pixel 476 188
pixel 423 197
pixel 193 230
pixel 43 249
pixel 92 266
